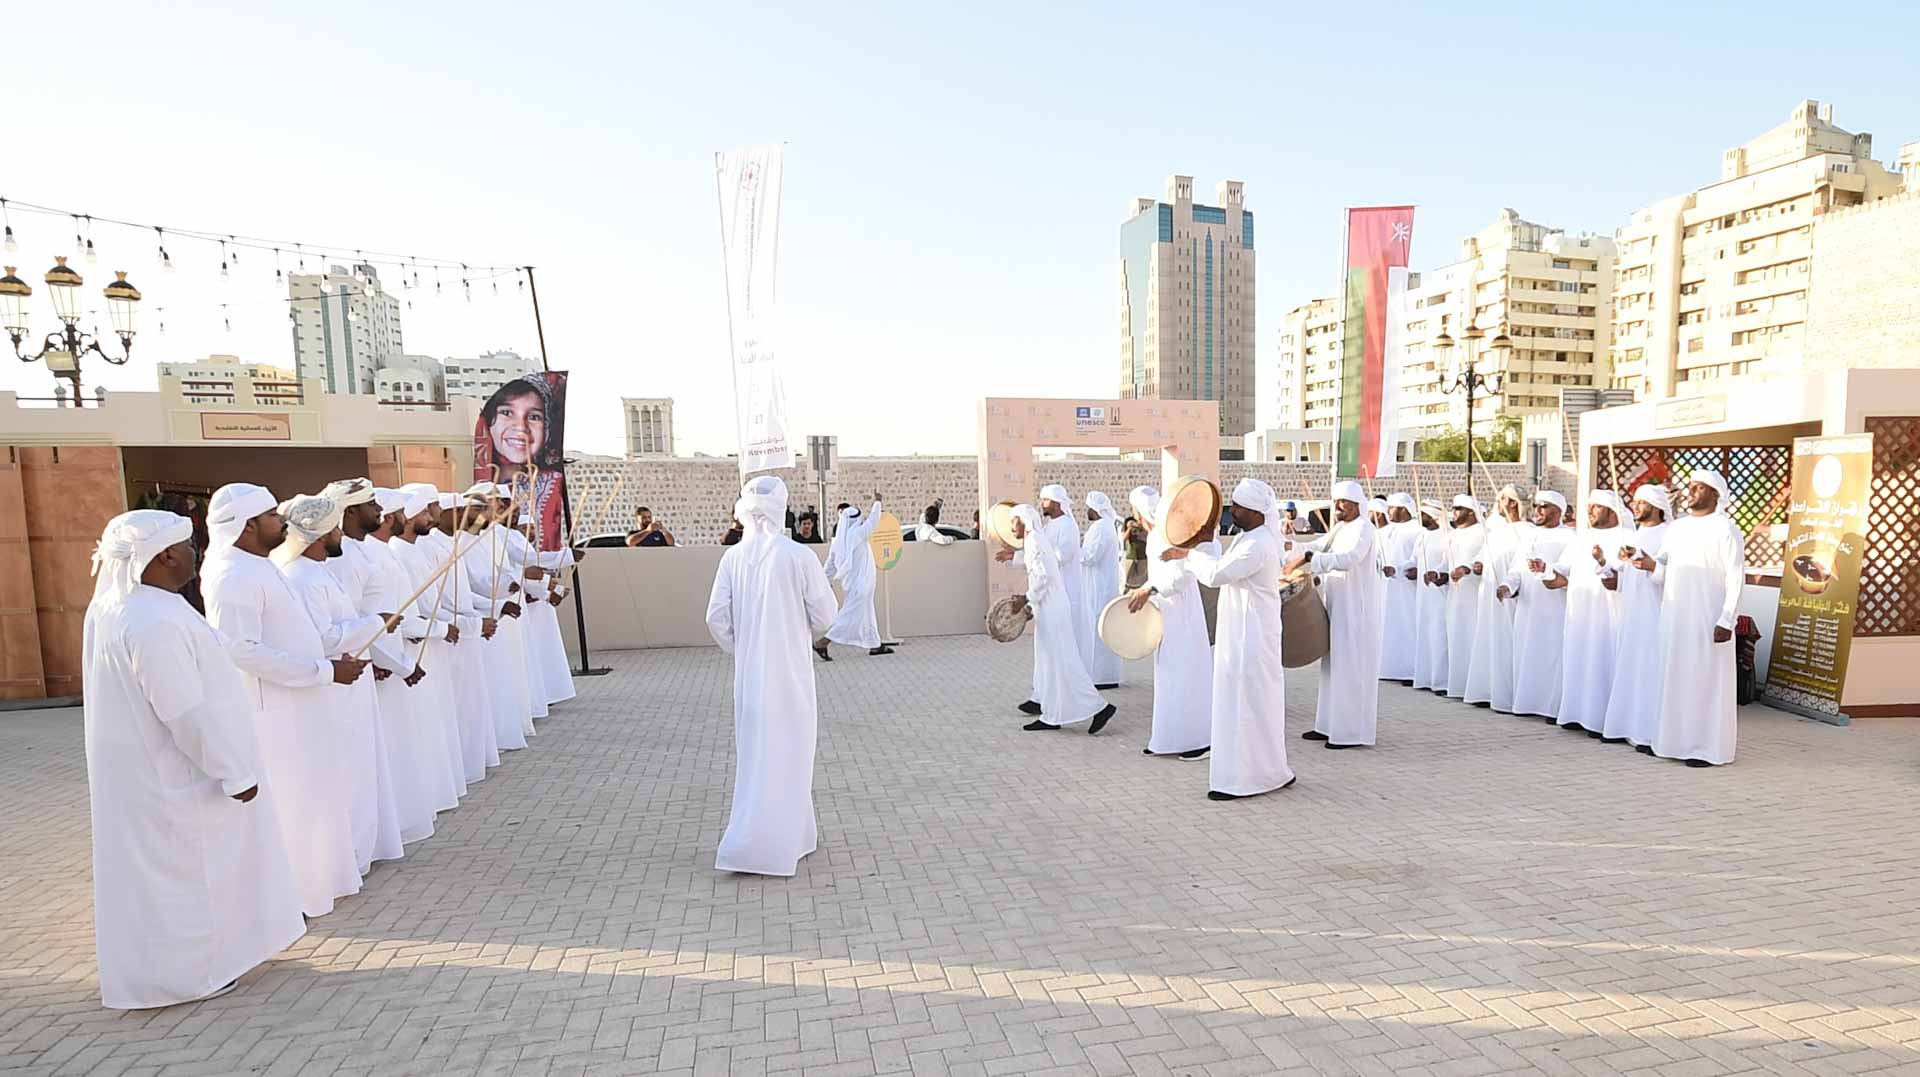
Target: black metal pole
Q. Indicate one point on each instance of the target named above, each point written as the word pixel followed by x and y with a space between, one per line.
pixel 1469 455
pixel 566 504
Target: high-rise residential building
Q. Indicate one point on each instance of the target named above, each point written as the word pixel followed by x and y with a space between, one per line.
pixel 1714 283
pixel 223 380
pixel 1303 391
pixel 411 380
pixel 1186 302
pixel 479 377
pixel 649 425
pixel 1549 290
pixel 345 327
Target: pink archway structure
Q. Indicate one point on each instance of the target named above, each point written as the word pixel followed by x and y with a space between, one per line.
pixel 1185 431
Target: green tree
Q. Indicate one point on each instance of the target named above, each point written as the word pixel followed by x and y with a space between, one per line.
pixel 1450 444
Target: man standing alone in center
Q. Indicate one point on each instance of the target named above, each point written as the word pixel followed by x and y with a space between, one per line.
pixel 769 598
pixel 1249 683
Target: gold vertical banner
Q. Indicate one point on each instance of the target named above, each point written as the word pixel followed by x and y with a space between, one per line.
pixel 885 541
pixel 1820 581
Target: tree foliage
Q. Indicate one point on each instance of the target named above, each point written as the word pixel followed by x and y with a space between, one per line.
pixel 1450 444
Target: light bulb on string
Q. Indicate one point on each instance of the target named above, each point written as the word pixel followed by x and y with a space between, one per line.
pixel 160 315
pixel 465 287
pixel 7 217
pixel 166 260
pixel 92 258
pixel 226 317
pixel 223 262
pixel 79 244
pixel 278 279
pixel 236 249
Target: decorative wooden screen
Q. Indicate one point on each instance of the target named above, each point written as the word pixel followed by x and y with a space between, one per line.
pixel 1889 602
pixel 1760 478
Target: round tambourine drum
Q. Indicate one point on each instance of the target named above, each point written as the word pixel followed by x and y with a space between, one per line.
pixel 1192 510
pixel 1303 624
pixel 998 525
pixel 1007 619
pixel 1131 635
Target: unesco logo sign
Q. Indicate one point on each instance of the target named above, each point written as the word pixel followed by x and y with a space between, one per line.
pixel 1085 415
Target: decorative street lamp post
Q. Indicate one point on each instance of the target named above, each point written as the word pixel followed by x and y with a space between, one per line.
pixel 62 350
pixel 1469 380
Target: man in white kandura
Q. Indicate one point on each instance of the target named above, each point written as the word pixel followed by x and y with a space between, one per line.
pixel 1183 664
pixel 1490 672
pixel 1400 571
pixel 1249 754
pixel 313 536
pixel 470 626
pixel 490 596
pixel 1540 609
pixel 412 545
pixel 1099 568
pixel 1354 591
pixel 1464 544
pixel 850 564
pixel 522 566
pixel 547 649
pixel 1062 688
pixel 770 598
pixel 1633 704
pixel 1701 568
pixel 1063 535
pixel 1377 516
pixel 191 881
pixel 288 679
pixel 1593 614
pixel 1430 609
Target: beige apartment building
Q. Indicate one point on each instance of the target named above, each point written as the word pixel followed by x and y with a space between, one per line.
pixel 1548 289
pixel 1186 302
pixel 1304 391
pixel 1715 283
pixel 649 425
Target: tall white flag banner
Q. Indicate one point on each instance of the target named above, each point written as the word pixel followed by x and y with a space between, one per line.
pixel 748 183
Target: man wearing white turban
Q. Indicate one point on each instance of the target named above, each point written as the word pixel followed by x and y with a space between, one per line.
pixel 314 536
pixel 1377 516
pixel 1400 568
pixel 409 544
pixel 1465 544
pixel 191 881
pixel 1701 568
pixel 1633 703
pixel 1490 671
pixel 1056 514
pixel 1183 663
pixel 1062 688
pixel 770 598
pixel 469 624
pixel 1249 754
pixel 850 564
pixel 1354 590
pixel 1586 569
pixel 288 676
pixel 1099 569
pixel 494 597
pixel 1540 612
pixel 1430 608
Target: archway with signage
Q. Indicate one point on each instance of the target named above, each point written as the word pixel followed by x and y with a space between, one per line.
pixel 1186 433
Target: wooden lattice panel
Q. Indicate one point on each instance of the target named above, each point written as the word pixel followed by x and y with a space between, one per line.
pixel 1760 478
pixel 1889 602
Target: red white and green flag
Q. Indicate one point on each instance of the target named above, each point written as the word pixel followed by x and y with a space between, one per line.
pixel 1378 238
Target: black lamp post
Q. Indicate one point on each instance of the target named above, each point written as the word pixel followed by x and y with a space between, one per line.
pixel 62 350
pixel 1470 380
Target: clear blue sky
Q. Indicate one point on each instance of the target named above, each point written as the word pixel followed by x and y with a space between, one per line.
pixel 956 179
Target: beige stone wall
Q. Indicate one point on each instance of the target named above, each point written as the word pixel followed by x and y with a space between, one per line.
pixel 694 497
pixel 1862 310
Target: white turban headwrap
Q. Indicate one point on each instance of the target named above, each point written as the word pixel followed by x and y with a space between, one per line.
pixel 417 499
pixel 1379 505
pixel 1145 501
pixel 1435 509
pixel 349 492
pixel 1349 490
pixel 762 505
pixel 1551 497
pixel 1037 555
pixel 1056 493
pixel 1609 499
pixel 450 501
pixel 479 489
pixel 227 514
pixel 130 541
pixel 390 501
pixel 1255 495
pixel 1462 501
pixel 1656 495
pixel 1101 504
pixel 310 517
pixel 1718 482
pixel 1402 500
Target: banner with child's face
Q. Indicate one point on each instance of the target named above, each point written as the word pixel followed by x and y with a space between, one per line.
pixel 520 442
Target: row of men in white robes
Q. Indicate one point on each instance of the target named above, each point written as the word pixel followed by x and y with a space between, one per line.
pixel 1621 628
pixel 247 769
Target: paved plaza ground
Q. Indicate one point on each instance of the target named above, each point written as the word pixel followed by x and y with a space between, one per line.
pixel 1479 894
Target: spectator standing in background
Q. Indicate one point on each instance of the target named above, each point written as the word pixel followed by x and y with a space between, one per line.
pixel 806 529
pixel 647 530
pixel 928 529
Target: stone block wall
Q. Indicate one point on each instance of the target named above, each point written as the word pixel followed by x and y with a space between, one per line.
pixel 694 497
pixel 1861 306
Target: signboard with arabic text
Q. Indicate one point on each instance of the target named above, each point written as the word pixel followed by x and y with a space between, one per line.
pixel 1820 579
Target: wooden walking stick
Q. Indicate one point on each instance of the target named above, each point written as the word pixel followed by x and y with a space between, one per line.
pixel 439 597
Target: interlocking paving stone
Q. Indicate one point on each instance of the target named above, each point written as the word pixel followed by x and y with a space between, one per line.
pixel 1478 895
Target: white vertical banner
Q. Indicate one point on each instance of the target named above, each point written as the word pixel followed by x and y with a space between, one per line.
pixel 1394 359
pixel 748 183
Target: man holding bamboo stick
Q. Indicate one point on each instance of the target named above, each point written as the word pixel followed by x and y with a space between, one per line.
pixel 492 596
pixel 451 601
